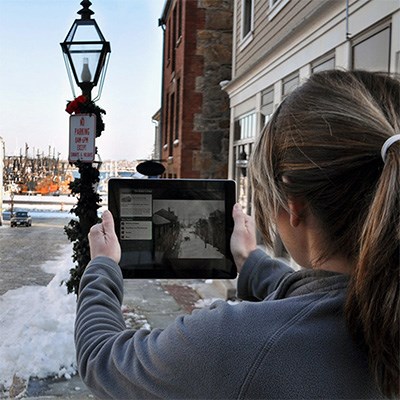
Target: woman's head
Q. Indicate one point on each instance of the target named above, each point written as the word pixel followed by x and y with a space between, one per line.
pixel 325 139
pixel 323 146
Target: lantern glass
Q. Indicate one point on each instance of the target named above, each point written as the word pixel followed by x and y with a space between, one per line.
pixel 85 50
pixel 85 59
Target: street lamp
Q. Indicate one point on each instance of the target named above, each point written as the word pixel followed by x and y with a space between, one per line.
pixel 86 52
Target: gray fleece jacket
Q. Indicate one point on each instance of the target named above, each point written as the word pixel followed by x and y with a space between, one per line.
pixel 288 340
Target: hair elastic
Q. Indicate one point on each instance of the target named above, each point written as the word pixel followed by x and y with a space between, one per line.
pixel 387 144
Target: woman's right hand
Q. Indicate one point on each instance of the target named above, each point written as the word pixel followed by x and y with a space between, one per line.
pixel 103 241
pixel 243 240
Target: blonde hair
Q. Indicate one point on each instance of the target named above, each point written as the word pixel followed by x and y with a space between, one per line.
pixel 326 140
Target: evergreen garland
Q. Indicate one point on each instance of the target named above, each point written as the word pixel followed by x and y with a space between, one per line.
pixel 88 199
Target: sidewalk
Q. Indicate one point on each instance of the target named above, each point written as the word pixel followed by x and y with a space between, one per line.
pixel 147 303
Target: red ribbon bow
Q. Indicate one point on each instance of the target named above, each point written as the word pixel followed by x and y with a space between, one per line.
pixel 74 105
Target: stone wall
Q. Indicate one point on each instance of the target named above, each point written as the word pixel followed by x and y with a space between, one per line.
pixel 203 59
pixel 214 44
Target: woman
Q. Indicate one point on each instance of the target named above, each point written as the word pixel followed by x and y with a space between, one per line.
pixel 326 177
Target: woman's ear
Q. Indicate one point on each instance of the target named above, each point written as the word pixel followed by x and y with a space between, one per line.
pixel 296 208
pixel 296 212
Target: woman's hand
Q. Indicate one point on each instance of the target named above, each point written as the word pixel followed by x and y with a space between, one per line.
pixel 103 241
pixel 243 240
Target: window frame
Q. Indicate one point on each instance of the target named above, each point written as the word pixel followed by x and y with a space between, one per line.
pixel 270 90
pixel 275 7
pixel 177 110
pixel 288 78
pixel 246 38
pixel 323 60
pixel 245 120
pixel 367 35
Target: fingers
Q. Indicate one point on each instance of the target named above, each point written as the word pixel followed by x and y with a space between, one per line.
pixel 242 220
pixel 238 214
pixel 103 229
pixel 108 222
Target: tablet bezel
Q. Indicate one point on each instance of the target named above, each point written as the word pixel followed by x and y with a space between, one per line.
pixel 175 189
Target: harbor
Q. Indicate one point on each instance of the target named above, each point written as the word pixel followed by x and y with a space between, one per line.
pixel 37 182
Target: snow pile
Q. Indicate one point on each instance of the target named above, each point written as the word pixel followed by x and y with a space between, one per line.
pixel 37 325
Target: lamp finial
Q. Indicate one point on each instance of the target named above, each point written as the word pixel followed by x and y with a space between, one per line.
pixel 85 13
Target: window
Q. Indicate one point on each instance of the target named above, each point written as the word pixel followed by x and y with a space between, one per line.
pixel 245 127
pixel 168 42
pixel 372 51
pixel 323 63
pixel 178 97
pixel 289 84
pixel 171 124
pixel 173 38
pixel 179 5
pixel 247 18
pixel 166 124
pixel 241 157
pixel 267 104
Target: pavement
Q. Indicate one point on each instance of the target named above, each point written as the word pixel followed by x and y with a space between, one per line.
pixel 147 303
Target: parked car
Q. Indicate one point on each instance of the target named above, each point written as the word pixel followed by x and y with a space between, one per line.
pixel 6 215
pixel 21 218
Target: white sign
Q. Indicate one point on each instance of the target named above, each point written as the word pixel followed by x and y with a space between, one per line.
pixel 135 205
pixel 82 135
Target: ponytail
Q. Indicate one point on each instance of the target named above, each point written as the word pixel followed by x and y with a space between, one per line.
pixel 373 305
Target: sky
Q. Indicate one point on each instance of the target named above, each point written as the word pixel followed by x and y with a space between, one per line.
pixel 34 85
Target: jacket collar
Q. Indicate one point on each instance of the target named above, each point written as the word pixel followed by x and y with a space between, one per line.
pixel 308 281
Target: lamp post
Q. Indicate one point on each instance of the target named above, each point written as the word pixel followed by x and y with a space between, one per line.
pixel 86 54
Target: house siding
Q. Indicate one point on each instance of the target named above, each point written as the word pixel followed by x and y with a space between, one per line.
pixel 269 34
pixel 289 45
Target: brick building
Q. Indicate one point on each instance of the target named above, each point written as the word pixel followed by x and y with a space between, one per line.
pixel 195 116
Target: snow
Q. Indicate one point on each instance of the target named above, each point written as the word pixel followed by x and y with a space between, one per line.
pixel 37 325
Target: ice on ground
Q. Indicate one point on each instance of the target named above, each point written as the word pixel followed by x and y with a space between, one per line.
pixel 37 327
pixel 205 303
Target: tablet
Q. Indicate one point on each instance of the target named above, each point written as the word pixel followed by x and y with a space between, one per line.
pixel 174 228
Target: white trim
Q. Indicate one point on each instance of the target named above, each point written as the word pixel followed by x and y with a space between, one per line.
pixel 245 41
pixel 234 38
pixel 246 114
pixel 274 9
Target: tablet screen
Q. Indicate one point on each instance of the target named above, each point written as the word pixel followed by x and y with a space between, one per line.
pixel 174 228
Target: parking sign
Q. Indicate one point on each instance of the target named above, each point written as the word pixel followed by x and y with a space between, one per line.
pixel 82 135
